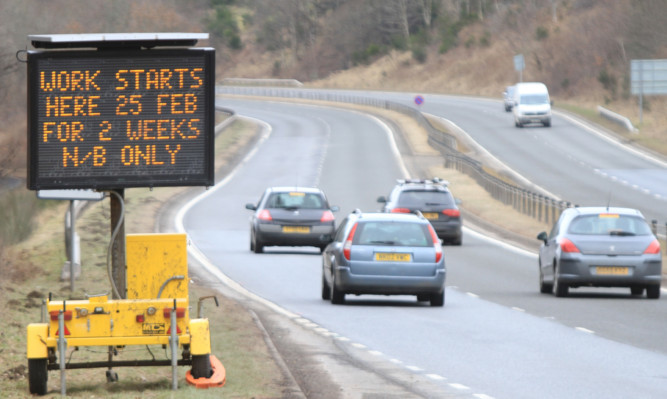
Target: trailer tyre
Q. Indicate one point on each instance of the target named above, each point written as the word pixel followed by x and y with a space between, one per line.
pixel 201 366
pixel 37 376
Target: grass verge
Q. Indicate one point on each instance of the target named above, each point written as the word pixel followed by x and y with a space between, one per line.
pixel 31 270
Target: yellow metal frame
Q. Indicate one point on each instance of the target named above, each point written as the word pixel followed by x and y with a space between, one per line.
pixel 157 266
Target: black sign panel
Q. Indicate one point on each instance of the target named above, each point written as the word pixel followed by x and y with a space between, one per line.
pixel 116 119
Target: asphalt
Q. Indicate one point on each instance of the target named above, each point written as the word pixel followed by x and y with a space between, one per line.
pixel 314 362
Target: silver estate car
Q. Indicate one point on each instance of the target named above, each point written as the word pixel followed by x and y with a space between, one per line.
pixel 291 216
pixel 384 254
pixel 600 247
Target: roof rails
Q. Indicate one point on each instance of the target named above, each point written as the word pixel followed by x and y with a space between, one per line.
pixel 434 181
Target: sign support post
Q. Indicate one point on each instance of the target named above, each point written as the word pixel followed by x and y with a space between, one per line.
pixel 118 266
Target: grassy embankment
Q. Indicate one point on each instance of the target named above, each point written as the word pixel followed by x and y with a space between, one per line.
pixel 36 265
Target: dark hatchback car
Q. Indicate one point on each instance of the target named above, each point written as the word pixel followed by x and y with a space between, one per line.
pixel 435 202
pixel 291 216
pixel 384 254
pixel 600 247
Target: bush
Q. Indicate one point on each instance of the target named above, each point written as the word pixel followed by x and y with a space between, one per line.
pixel 225 26
pixel 419 54
pixel 17 208
pixel 541 33
pixel 608 81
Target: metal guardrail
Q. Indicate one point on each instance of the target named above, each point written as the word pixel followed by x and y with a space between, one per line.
pixel 540 207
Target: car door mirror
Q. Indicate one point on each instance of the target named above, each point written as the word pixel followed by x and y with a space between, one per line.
pixel 382 199
pixel 252 207
pixel 542 236
pixel 334 208
pixel 458 201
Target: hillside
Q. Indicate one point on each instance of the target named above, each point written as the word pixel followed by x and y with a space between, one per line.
pixel 580 48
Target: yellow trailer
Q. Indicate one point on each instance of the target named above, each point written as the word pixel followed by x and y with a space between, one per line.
pixel 156 311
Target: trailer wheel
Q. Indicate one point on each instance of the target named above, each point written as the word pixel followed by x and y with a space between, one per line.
pixel 201 366
pixel 37 376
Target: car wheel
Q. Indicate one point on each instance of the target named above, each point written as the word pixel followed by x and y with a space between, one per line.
pixel 545 288
pixel 547 123
pixel 337 296
pixel 653 291
pixel 37 376
pixel 559 289
pixel 438 299
pixel 256 245
pixel 423 297
pixel 326 290
pixel 637 290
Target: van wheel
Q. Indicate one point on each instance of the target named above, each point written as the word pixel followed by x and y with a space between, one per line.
pixel 547 123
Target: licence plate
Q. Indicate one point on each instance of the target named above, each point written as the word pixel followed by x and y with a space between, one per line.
pixel 612 270
pixel 296 229
pixel 392 257
pixel 430 215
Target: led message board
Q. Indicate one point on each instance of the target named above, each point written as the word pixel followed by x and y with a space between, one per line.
pixel 115 119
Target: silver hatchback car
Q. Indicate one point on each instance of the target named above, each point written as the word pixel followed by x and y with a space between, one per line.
pixel 384 254
pixel 600 247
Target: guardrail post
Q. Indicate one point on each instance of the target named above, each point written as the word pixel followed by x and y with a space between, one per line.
pixel 539 207
pixel 654 227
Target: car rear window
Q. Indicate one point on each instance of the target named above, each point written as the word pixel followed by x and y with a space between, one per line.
pixel 609 223
pixel 392 233
pixel 415 199
pixel 296 199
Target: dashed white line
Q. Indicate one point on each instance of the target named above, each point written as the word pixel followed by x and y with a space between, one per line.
pixel 436 377
pixel 458 386
pixel 472 295
pixel 518 309
pixel 414 368
pixel 482 396
pixel 586 330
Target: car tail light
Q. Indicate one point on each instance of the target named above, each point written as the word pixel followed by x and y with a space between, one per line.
pixel 264 214
pixel 568 246
pixel 653 248
pixel 180 313
pixel 327 216
pixel 401 210
pixel 436 244
pixel 347 247
pixel 453 213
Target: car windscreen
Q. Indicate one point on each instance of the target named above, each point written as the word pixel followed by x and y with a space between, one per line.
pixel 609 224
pixel 296 199
pixel 418 199
pixel 392 233
pixel 534 99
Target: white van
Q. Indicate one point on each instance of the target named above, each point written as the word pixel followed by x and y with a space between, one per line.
pixel 531 104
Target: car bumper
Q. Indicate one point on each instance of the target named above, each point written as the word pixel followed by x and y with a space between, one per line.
pixel 274 235
pixel 596 271
pixel 388 285
pixel 524 119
